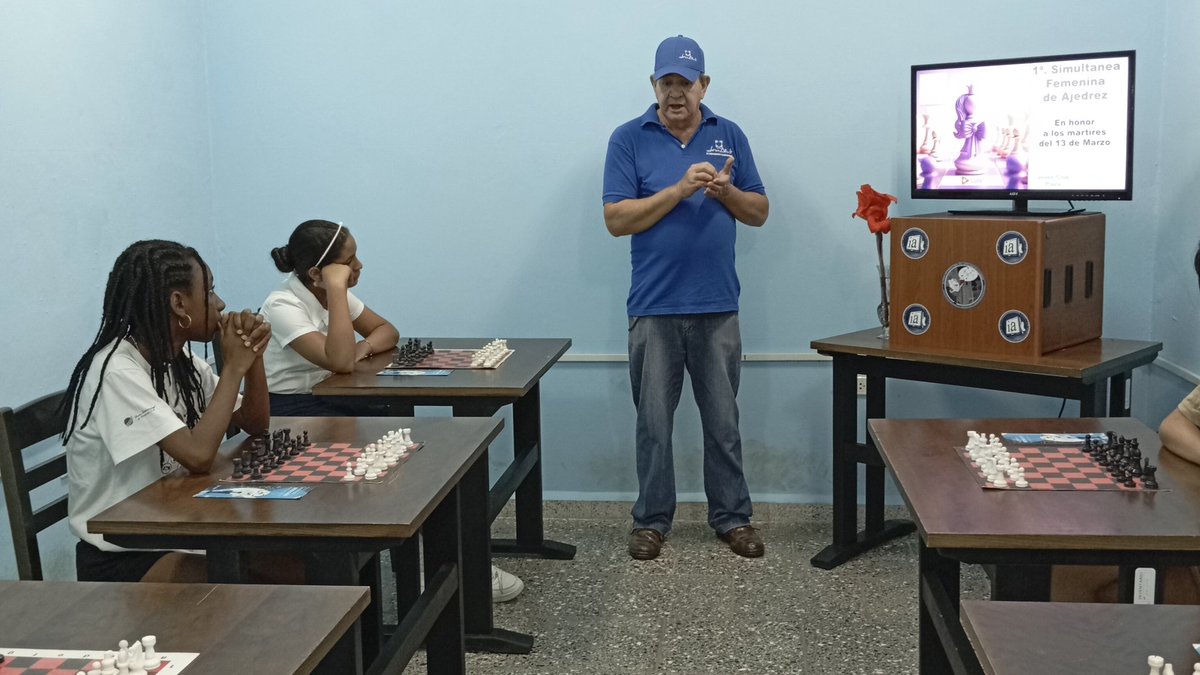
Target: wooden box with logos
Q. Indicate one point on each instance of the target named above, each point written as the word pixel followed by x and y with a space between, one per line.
pixel 996 284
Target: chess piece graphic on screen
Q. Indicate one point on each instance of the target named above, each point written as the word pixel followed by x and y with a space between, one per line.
pixel 926 147
pixel 971 128
pixel 1015 169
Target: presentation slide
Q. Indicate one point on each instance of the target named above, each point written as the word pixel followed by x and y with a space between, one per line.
pixel 1052 125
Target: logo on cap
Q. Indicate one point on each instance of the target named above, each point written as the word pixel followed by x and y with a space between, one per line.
pixel 687 54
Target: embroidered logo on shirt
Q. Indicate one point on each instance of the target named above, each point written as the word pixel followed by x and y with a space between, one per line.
pixel 718 149
pixel 130 420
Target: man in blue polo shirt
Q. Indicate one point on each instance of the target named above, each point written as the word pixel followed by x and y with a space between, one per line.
pixel 676 179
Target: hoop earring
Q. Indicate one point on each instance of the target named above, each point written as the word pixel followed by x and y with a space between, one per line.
pixel 189 323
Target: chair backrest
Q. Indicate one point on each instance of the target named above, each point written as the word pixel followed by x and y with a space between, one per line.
pixel 26 426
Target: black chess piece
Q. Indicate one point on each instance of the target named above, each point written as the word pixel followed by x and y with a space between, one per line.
pixel 304 439
pixel 255 470
pixel 237 468
pixel 1149 481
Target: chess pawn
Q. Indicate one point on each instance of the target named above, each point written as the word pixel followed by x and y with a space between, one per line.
pixel 1168 670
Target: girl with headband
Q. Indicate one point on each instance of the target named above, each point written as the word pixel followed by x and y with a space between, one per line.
pixel 315 318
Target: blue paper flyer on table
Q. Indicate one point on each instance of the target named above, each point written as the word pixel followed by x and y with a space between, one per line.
pixel 254 492
pixel 1052 439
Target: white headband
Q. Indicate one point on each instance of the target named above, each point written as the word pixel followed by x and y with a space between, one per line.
pixel 335 236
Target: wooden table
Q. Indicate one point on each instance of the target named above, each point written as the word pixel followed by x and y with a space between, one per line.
pixel 1021 534
pixel 235 629
pixel 1019 638
pixel 340 528
pixel 481 393
pixel 1096 373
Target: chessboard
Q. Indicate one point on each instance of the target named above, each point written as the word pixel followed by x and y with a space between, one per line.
pixel 1114 464
pixel 279 458
pixel 414 355
pixel 72 661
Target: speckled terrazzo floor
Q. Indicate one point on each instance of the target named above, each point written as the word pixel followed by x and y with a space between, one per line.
pixel 699 609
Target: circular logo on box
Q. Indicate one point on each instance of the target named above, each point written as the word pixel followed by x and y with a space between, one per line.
pixel 916 319
pixel 914 243
pixel 963 285
pixel 1014 326
pixel 1012 247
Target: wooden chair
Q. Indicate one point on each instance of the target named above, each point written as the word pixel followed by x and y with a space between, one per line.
pixel 29 425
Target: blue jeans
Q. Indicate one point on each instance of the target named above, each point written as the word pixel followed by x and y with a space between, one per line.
pixel 709 346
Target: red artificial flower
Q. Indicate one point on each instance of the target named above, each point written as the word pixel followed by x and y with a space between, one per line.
pixel 873 208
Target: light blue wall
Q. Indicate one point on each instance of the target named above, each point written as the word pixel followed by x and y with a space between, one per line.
pixel 1176 300
pixel 103 141
pixel 464 141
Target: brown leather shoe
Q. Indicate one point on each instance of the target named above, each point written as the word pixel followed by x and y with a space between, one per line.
pixel 645 544
pixel 744 541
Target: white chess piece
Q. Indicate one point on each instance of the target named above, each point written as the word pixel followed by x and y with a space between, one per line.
pixel 1168 670
pixel 1155 663
pixel 150 657
pixel 137 660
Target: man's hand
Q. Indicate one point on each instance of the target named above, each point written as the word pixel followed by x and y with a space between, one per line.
pixel 696 177
pixel 717 186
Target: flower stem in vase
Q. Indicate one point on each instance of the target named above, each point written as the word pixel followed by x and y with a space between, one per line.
pixel 883 309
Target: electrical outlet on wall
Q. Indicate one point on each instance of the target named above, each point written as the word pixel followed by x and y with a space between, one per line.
pixel 861 386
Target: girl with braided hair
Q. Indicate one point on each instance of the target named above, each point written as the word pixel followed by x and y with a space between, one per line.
pixel 316 317
pixel 140 403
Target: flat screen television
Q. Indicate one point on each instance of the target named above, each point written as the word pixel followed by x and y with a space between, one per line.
pixel 1036 128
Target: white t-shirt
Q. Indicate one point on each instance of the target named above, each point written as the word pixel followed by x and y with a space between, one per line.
pixel 294 311
pixel 117 453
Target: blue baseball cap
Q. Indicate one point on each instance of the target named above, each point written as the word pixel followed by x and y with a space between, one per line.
pixel 679 55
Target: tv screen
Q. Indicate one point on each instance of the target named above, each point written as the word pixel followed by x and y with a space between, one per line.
pixel 1051 127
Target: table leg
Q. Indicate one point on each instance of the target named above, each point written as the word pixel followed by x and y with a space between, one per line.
pixel 329 568
pixel 444 644
pixel 1118 403
pixel 345 656
pixel 482 635
pixel 406 568
pixel 876 409
pixel 524 478
pixel 1093 401
pixel 847 453
pixel 942 644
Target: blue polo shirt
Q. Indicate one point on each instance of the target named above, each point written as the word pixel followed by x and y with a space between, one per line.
pixel 685 263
